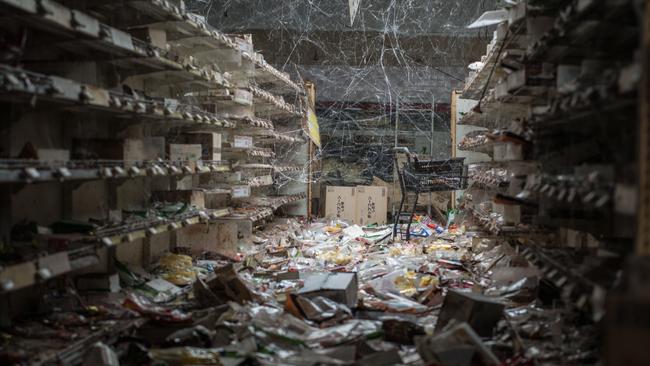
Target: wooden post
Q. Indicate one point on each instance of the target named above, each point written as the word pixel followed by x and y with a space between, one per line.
pixel 454 108
pixel 311 98
pixel 643 230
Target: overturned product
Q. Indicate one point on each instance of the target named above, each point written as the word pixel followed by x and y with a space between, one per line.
pixel 480 312
pixel 341 287
pixel 457 346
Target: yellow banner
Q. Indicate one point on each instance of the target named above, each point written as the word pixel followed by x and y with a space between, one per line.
pixel 312 125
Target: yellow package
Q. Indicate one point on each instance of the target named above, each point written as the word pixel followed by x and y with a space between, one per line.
pixel 177 269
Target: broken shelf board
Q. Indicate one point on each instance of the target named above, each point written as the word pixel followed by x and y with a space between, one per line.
pixel 475 86
pixel 485 148
pixel 515 88
pixel 133 231
pixel 591 32
pixel 590 114
pixel 21 85
pixel 31 171
pixel 495 114
pixel 249 151
pixel 84 35
pixel 267 75
pixel 15 276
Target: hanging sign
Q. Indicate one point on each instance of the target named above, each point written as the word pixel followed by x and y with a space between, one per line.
pixel 312 126
pixel 354 8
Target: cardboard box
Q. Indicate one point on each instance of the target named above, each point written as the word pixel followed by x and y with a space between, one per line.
pixel 109 149
pixel 185 152
pixel 210 144
pixel 627 331
pixel 480 312
pixel 341 287
pixel 511 213
pixel 458 346
pixel 507 151
pixel 216 200
pixel 244 142
pixel 53 155
pixel 157 37
pixel 371 205
pixel 340 203
pixel 190 196
pixel 240 191
pixel 99 282
pixel 129 150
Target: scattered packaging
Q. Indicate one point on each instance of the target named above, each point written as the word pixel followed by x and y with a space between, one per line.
pixel 99 282
pixel 101 355
pixel 458 346
pixel 243 142
pixel 340 203
pixel 185 152
pixel 341 287
pixel 210 144
pixel 371 205
pixel 480 312
pixel 190 196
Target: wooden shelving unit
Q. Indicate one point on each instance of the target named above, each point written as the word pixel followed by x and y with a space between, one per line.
pixel 566 76
pixel 131 116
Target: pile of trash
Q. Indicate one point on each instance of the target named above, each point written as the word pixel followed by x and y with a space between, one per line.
pixel 329 293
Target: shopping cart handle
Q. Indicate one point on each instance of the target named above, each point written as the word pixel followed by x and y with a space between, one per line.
pixel 405 150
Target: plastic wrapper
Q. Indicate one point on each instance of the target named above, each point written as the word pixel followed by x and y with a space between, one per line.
pixel 186 356
pixel 177 269
pixel 393 303
pixel 337 256
pixel 343 333
pixel 147 309
pixel 320 309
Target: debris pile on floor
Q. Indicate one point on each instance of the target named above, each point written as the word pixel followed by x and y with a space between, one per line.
pixel 322 293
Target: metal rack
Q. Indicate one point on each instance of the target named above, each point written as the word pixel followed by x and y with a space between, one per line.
pixel 419 176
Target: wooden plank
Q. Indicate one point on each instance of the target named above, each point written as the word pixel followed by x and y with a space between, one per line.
pixel 455 94
pixel 643 231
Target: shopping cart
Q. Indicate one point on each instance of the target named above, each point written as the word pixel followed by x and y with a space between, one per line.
pixel 417 177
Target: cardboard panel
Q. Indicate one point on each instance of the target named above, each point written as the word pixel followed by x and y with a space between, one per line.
pixel 371 205
pixel 340 203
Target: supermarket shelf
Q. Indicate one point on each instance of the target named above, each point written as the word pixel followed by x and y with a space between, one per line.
pixel 252 152
pixel 259 181
pixel 268 76
pixel 27 273
pixel 288 168
pixel 514 164
pixel 33 171
pixel 251 124
pixel 139 230
pixel 85 37
pixel 21 85
pixel 223 98
pixel 474 86
pixel 519 87
pixel 577 288
pixel 273 106
pixel 485 148
pixel 252 166
pixel 57 351
pixel 594 29
pixel 591 111
pixel 186 34
pixel 250 214
pixel 274 202
pixel 495 114
pixel 277 138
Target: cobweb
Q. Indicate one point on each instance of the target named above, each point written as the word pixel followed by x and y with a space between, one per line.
pixel 376 79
